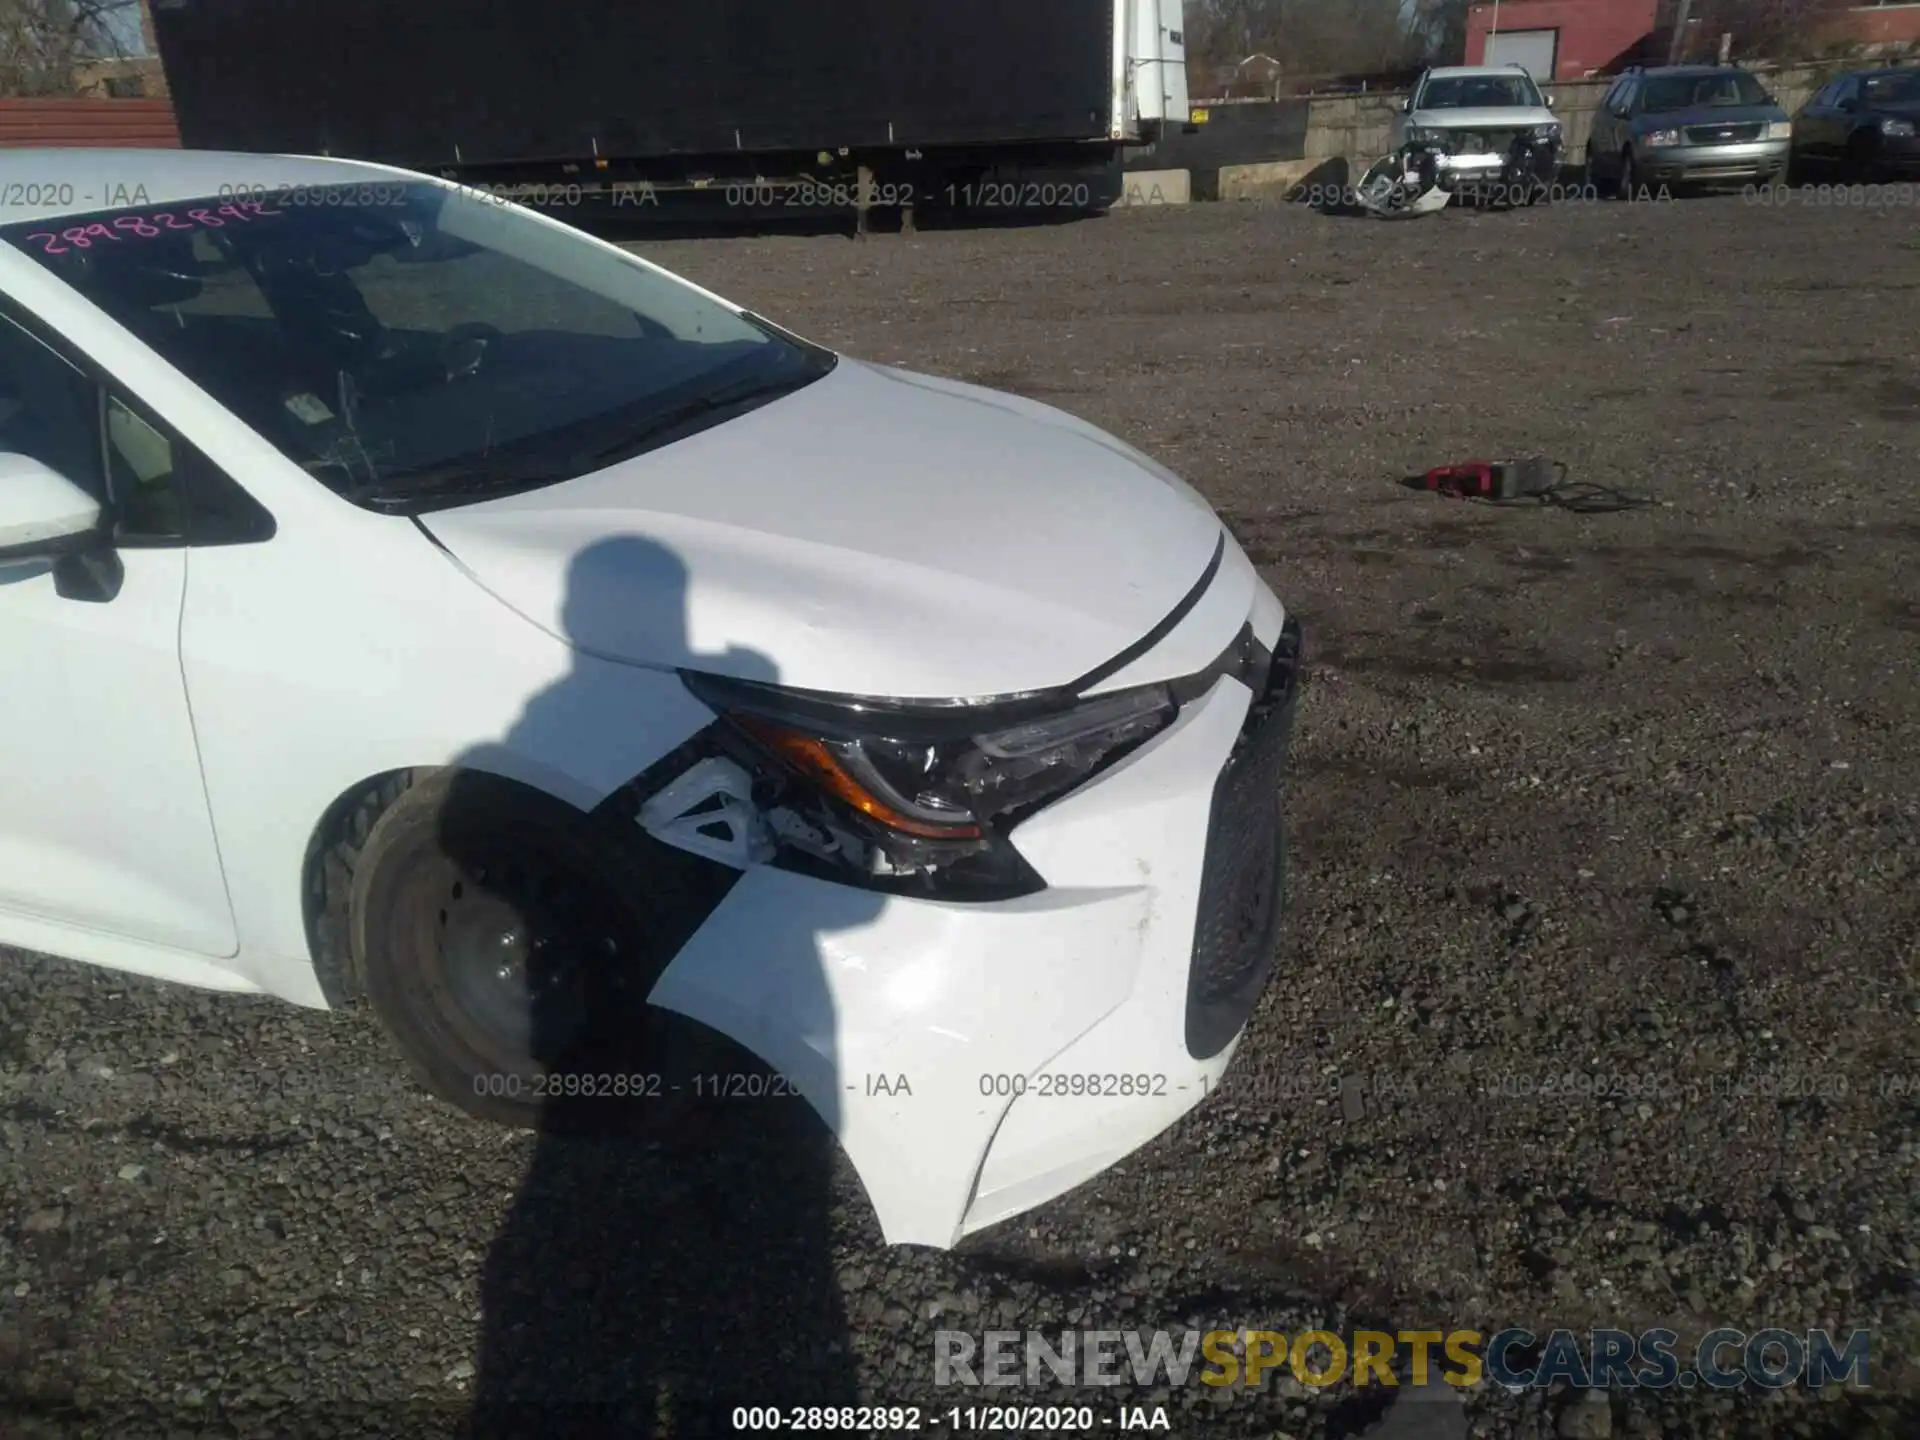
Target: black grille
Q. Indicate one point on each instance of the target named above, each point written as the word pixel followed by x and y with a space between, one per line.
pixel 1243 882
pixel 1723 134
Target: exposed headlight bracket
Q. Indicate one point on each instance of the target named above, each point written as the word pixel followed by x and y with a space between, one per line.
pixel 709 811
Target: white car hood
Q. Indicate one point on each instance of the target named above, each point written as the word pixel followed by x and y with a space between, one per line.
pixel 1490 117
pixel 875 533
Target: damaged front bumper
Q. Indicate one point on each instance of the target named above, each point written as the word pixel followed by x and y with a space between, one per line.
pixel 1522 165
pixel 977 1059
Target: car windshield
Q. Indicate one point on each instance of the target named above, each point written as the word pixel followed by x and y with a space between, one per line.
pixel 1692 92
pixel 1477 92
pixel 1900 89
pixel 412 346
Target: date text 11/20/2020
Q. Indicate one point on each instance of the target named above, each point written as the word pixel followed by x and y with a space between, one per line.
pixel 959 1419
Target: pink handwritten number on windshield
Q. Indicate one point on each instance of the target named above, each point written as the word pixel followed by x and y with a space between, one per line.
pixel 145 227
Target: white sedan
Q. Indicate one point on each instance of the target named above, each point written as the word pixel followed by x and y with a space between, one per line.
pixel 405 597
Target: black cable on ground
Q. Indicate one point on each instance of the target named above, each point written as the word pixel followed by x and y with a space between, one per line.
pixel 1586 498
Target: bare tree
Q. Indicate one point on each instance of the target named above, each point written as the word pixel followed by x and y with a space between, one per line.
pixel 43 41
pixel 1439 29
pixel 1773 29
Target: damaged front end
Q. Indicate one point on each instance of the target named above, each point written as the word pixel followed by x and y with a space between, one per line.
pixel 907 799
pixel 1513 165
pixel 1404 184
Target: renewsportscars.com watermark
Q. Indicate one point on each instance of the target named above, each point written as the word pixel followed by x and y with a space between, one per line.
pixel 1516 1359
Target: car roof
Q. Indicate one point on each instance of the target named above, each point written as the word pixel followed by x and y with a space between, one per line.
pixel 1450 72
pixel 1693 70
pixel 45 184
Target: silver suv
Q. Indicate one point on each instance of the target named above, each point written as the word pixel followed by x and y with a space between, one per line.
pixel 1482 125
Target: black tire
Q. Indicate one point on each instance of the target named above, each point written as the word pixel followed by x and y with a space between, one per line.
pixel 1627 180
pixel 1862 160
pixel 508 943
pixel 1592 178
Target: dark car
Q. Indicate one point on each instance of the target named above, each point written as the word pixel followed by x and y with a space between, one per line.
pixel 1861 127
pixel 1687 125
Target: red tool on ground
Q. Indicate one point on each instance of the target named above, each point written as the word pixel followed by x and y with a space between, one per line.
pixel 1536 479
pixel 1498 479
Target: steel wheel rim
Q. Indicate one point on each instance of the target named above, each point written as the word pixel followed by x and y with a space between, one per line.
pixel 523 950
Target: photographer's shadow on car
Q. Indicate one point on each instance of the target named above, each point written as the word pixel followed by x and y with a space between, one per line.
pixel 668 1254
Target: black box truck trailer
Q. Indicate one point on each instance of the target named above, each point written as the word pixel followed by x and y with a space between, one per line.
pixel 915 99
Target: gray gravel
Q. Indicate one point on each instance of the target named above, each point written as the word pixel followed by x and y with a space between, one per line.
pixel 1629 797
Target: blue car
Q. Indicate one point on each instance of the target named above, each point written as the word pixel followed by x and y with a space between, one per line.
pixel 1862 126
pixel 1687 125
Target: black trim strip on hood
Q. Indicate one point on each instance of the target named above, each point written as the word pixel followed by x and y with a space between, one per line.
pixel 1159 632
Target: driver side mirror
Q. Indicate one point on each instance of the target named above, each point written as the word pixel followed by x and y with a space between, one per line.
pixel 1850 104
pixel 43 514
pixel 1549 102
pixel 1406 106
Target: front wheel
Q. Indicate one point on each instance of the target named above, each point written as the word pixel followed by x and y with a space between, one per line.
pixel 1861 162
pixel 508 945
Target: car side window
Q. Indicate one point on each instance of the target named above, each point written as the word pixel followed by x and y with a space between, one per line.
pixel 158 488
pixel 49 410
pixel 142 477
pixel 1845 91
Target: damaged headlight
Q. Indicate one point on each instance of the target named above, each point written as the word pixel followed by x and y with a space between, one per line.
pixel 954 774
pixel 915 797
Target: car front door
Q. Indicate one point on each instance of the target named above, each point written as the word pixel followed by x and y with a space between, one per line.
pixel 1810 124
pixel 1601 146
pixel 1620 122
pixel 1837 129
pixel 104 821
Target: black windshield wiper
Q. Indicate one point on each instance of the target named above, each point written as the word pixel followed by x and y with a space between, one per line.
pixel 466 479
pixel 655 427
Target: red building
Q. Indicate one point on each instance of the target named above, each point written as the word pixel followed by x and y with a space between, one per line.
pixel 1560 39
pixel 1570 39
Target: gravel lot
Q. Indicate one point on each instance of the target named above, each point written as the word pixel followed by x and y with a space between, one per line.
pixel 1629 798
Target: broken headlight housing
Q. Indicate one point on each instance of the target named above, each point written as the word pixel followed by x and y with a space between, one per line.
pixel 929 791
